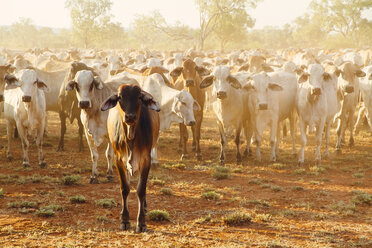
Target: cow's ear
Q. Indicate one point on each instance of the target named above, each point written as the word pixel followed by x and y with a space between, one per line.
pixel 267 68
pixel 248 86
pixel 149 101
pixel 97 81
pixel 275 87
pixel 70 85
pixel 326 76
pixel 176 72
pixel 360 73
pixel 11 82
pixel 207 81
pixel 171 61
pixel 337 72
pixel 10 68
pixel 370 77
pixel 303 78
pixel 234 82
pixel 196 106
pixel 110 102
pixel 41 85
pixel 202 71
pixel 244 67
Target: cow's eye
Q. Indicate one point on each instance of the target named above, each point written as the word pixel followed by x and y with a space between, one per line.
pixel 91 87
pixel 77 87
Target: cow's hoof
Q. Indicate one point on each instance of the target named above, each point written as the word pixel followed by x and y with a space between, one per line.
pixel 199 157
pixel 222 162
pixel 338 150
pixel 273 159
pixel 42 164
pixel 110 178
pixel 300 163
pixel 25 164
pixel 125 226
pixel 141 229
pixel 9 157
pixel 184 157
pixel 93 180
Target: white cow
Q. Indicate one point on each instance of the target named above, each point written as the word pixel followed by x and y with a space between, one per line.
pixel 176 105
pixel 25 107
pixel 269 103
pixel 227 105
pixel 91 92
pixel 316 99
pixel 348 94
pixel 366 92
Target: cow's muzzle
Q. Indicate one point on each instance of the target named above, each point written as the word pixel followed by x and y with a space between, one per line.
pixel 1 98
pixel 190 83
pixel 130 118
pixel 316 91
pixel 349 89
pixel 84 104
pixel 26 98
pixel 262 106
pixel 221 95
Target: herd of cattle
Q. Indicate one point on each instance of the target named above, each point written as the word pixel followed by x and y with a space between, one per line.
pixel 124 98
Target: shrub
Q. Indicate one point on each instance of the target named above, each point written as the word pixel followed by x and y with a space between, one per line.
pixel 237 218
pixel 70 179
pixel 106 203
pixel 158 215
pixel 166 191
pixel 211 195
pixel 77 199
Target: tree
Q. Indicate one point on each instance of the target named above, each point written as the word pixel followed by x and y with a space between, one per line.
pixel 24 33
pixel 211 11
pixel 341 16
pixel 87 17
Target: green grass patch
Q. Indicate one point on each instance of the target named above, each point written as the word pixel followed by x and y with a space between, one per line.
pixel 166 191
pixel 202 220
pixel 211 195
pixel 300 171
pixel 158 215
pixel 278 166
pixel 70 179
pixel 23 204
pixel 78 199
pixel 156 181
pixel 358 175
pixel 106 203
pixel 237 219
pixel 362 198
pixel 221 172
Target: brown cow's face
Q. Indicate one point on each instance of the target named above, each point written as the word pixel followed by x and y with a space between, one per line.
pixel 189 72
pixel 131 99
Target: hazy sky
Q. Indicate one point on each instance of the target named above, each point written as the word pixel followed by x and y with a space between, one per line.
pixel 52 13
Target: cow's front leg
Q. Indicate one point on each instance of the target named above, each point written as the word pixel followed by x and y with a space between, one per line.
pixel 351 128
pixel 39 144
pixel 273 144
pixel 318 139
pixel 81 131
pixel 197 136
pixel 25 144
pixel 301 156
pixel 339 131
pixel 359 121
pixel 125 189
pixel 184 136
pixel 141 194
pixel 248 136
pixel 109 156
pixel 62 118
pixel 327 135
pixel 94 155
pixel 223 142
pixel 9 130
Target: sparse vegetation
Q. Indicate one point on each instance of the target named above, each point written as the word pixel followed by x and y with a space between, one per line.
pixel 70 179
pixel 106 203
pixel 158 215
pixel 362 198
pixel 1 193
pixel 237 218
pixel 78 199
pixel 157 182
pixel 221 173
pixel 166 191
pixel 211 195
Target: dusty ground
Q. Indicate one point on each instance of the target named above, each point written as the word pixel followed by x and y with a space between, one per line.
pixel 290 206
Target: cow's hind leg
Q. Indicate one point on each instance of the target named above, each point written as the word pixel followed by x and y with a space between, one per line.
pixel 81 132
pixel 94 155
pixel 184 136
pixel 39 144
pixel 62 118
pixel 125 189
pixel 301 156
pixel 25 145
pixel 223 142
pixel 141 194
pixel 237 143
pixel 9 129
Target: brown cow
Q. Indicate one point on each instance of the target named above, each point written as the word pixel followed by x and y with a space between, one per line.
pixel 133 129
pixel 189 77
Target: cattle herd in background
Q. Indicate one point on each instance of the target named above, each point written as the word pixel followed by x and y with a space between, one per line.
pixel 123 98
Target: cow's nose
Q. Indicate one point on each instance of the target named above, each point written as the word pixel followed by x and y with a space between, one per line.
pixel 26 98
pixel 316 91
pixel 189 83
pixel 262 106
pixel 130 118
pixel 191 123
pixel 221 95
pixel 1 98
pixel 84 104
pixel 349 89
